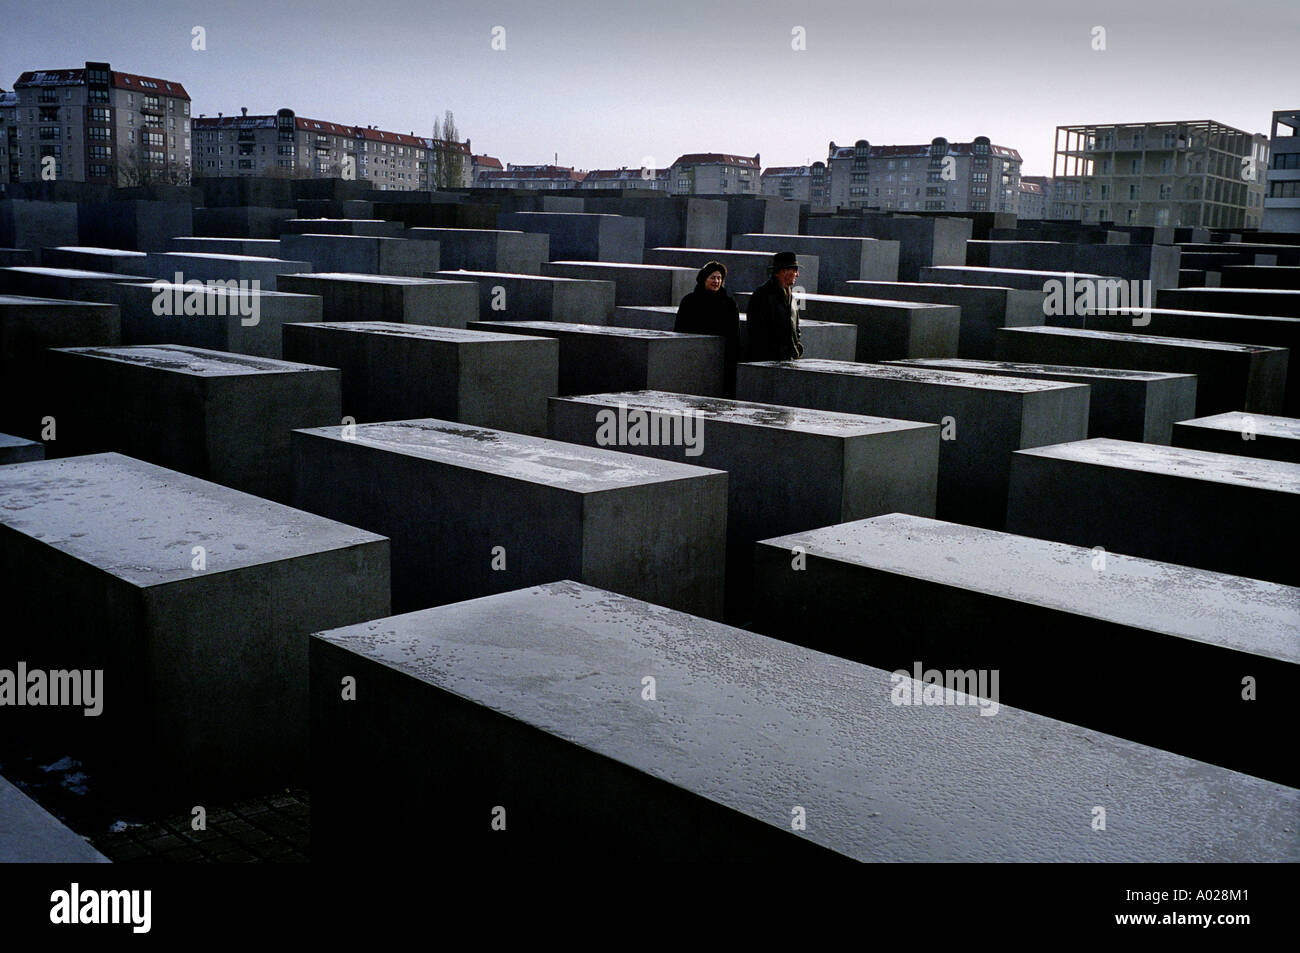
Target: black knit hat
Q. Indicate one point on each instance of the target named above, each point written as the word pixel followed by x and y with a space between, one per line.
pixel 784 259
pixel 703 274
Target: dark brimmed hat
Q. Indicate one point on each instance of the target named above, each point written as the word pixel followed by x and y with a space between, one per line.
pixel 703 274
pixel 784 259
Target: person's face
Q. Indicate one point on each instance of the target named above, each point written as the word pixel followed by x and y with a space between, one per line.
pixel 714 281
pixel 787 276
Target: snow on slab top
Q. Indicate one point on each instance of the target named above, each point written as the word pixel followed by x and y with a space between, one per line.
pixel 551 463
pixel 195 361
pixel 1018 271
pixel 1244 614
pixel 421 331
pixel 826 422
pixel 961 363
pixel 206 287
pixel 1251 472
pixel 874 302
pixel 623 265
pixel 1142 339
pixel 369 279
pixel 1264 425
pixel 76 273
pixel 139 521
pixel 107 252
pixel 559 327
pixel 29 301
pixel 510 274
pixel 919 375
pixel 217 256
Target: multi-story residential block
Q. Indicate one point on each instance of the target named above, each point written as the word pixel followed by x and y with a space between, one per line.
pixel 714 173
pixel 8 131
pixel 297 147
pixel 1282 198
pixel 975 176
pixel 531 177
pixel 1192 173
pixel 652 179
pixel 1035 197
pixel 97 124
pixel 804 183
pixel 481 164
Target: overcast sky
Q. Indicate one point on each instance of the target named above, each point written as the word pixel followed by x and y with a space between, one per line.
pixel 618 83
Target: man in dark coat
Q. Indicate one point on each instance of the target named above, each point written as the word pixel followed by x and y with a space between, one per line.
pixel 710 310
pixel 772 317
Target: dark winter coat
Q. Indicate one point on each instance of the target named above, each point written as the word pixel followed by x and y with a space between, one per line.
pixel 773 323
pixel 713 312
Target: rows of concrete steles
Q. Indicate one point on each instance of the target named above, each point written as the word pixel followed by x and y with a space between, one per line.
pixel 416 504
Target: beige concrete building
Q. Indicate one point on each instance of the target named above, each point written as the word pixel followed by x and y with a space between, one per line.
pixel 1282 195
pixel 97 124
pixel 714 173
pixel 975 176
pixel 1191 173
pixel 803 183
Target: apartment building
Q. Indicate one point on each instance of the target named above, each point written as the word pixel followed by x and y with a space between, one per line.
pixel 714 173
pixel 803 183
pixel 97 124
pixel 975 176
pixel 655 180
pixel 1282 195
pixel 1035 197
pixel 1189 173
pixel 537 177
pixel 8 107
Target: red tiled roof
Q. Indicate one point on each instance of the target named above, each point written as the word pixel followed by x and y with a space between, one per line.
pixel 487 162
pixel 149 84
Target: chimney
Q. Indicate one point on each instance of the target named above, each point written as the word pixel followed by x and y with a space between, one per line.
pixel 244 110
pixel 218 115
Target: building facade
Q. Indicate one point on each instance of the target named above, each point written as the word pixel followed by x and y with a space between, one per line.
pixel 975 176
pixel 538 177
pixel 1035 197
pixel 803 183
pixel 1193 173
pixel 8 131
pixel 714 173
pixel 97 124
pixel 1282 197
pixel 655 180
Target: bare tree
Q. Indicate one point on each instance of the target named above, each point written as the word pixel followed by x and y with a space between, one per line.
pixel 447 164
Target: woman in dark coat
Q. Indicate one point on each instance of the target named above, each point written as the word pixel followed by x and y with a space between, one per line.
pixel 710 310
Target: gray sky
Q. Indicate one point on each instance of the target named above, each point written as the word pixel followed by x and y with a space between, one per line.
pixel 607 84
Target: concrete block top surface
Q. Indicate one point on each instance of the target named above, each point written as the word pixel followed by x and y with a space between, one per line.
pixel 31 835
pixel 9 440
pixel 621 266
pixel 958 363
pixel 138 522
pixel 215 256
pixel 829 423
pixel 508 274
pixel 1176 312
pixel 704 254
pixel 757 725
pixel 194 361
pixel 1015 271
pixel 1234 421
pixel 449 232
pixel 814 238
pixel 937 285
pixel 1227 292
pixel 75 273
pixel 368 221
pixel 1244 614
pixel 1084 334
pixel 216 287
pixel 106 252
pixel 920 375
pixel 553 463
pixel 27 301
pixel 1251 472
pixel 344 239
pixel 573 214
pixel 421 332
pixel 370 279
pixel 597 329
pixel 859 301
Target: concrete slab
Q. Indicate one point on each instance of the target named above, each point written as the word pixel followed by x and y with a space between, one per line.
pixel 984 309
pixel 984 417
pixel 1247 435
pixel 1021 278
pixel 218 416
pixel 473 511
pixel 504 297
pixel 839 259
pixel 401 371
pixel 68 284
pixel 1228 376
pixel 1155 263
pixel 372 254
pixel 212 266
pixel 1277 302
pixel 484 249
pixel 1214 511
pixel 260 247
pixel 342 226
pixel 347 296
pixel 595 360
pixel 1025 608
pixel 1286 277
pixel 821 339
pixel 29 327
pixel 583 236
pixel 1126 405
pixel 86 258
pixel 17 450
pixel 922 242
pixel 204 669
pixel 634 285
pixel 755 728
pixel 137 224
pixel 244 221
pixel 34 224
pixel 670 220
pixel 29 834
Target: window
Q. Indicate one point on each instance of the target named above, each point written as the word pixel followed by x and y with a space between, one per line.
pixel 49 132
pixel 98 114
pixel 1166 192
pixel 1286 160
pixel 1284 190
pixel 979 177
pixel 101 152
pixel 1135 167
pixel 1133 193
